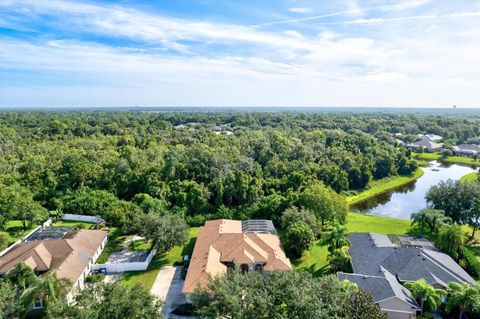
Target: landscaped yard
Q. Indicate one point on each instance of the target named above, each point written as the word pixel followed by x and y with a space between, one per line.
pixel 173 256
pixel 380 186
pixel 15 230
pixel 449 159
pixel 316 258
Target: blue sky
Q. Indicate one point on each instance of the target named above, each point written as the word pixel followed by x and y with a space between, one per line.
pixel 416 53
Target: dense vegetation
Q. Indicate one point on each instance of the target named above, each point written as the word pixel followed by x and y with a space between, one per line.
pixel 119 164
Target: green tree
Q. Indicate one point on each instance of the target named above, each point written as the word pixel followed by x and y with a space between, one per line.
pixel 336 237
pixel 4 240
pixel 47 287
pixel 464 296
pixel 108 301
pixel 300 237
pixel 361 306
pixel 426 295
pixel 22 276
pixel 338 260
pixel 10 308
pixel 450 238
pixel 292 215
pixel 325 203
pixel 165 231
pixel 431 218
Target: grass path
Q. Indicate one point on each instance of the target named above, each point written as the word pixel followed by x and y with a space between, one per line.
pixel 383 185
pixel 448 159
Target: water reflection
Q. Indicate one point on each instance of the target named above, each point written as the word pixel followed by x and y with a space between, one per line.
pixel 410 198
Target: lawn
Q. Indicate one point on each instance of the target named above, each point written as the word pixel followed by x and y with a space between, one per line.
pixel 173 256
pixel 315 259
pixel 469 178
pixel 385 184
pixel 69 223
pixel 449 159
pixel 15 230
pixel 141 244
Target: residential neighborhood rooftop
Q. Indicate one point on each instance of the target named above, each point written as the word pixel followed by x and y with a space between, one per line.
pixel 225 243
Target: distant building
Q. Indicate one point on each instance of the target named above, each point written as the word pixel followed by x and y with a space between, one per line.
pixel 469 150
pixel 425 145
pixel 430 137
pixel 252 245
pixel 70 254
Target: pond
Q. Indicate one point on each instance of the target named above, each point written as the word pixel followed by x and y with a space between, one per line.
pixel 405 200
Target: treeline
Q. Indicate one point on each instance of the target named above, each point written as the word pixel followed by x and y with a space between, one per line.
pixel 119 164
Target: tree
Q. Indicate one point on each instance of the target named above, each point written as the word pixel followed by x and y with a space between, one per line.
pixel 22 276
pixel 271 295
pixel 292 215
pixel 431 218
pixel 165 231
pixel 300 237
pixel 463 296
pixel 336 238
pixel 10 308
pixel 325 203
pixel 450 238
pixel 108 301
pixel 425 294
pixel 4 240
pixel 47 287
pixel 338 260
pixel 361 306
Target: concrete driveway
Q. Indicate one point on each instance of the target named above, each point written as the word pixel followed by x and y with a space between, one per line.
pixel 168 287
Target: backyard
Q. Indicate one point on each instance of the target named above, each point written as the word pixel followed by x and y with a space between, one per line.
pixel 16 231
pixel 449 159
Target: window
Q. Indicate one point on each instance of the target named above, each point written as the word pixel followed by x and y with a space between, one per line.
pixel 258 267
pixel 38 303
pixel 244 268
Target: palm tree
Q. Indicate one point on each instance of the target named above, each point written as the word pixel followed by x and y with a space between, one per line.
pixel 465 296
pixel 425 294
pixel 336 238
pixel 450 238
pixel 21 275
pixel 47 287
pixel 419 219
pixel 433 218
pixel 338 260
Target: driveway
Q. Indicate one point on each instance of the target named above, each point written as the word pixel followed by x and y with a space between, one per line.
pixel 168 287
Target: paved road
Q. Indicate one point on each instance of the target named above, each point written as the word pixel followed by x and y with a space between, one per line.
pixel 168 287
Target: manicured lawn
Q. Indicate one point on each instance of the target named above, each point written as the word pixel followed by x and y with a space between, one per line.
pixel 315 260
pixel 80 225
pixel 469 178
pixel 173 256
pixel 15 230
pixel 140 244
pixel 449 159
pixel 380 186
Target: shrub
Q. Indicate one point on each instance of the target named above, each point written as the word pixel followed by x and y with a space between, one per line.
pixel 95 278
pixel 470 262
pixel 185 309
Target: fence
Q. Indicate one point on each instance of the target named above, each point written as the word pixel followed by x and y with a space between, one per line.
pixel 24 238
pixel 128 266
pixel 82 218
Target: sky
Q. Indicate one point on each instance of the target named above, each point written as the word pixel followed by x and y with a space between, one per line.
pixel 416 53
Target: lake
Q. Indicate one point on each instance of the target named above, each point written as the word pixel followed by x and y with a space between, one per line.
pixel 410 198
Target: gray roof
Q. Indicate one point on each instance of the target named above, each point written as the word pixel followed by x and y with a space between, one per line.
pixel 381 287
pixel 428 144
pixel 467 147
pixel 371 253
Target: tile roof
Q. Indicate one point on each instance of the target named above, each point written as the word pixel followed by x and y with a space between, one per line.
pixel 68 256
pixel 222 242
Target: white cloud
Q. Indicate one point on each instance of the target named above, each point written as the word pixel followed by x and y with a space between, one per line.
pixel 300 10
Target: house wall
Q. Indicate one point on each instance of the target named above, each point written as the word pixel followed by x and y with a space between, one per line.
pixel 397 309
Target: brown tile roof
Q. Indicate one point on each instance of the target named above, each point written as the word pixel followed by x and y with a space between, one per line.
pixel 68 256
pixel 222 242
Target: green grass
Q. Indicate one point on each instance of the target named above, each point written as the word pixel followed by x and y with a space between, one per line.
pixel 315 259
pixel 15 230
pixel 69 223
pixel 469 178
pixel 449 159
pixel 140 244
pixel 173 256
pixel 383 185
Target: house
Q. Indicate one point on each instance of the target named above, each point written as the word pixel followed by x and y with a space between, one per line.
pixel 430 137
pixel 425 145
pixel 70 254
pixel 374 255
pixel 252 245
pixel 469 150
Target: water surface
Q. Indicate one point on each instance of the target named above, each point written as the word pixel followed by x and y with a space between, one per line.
pixel 410 198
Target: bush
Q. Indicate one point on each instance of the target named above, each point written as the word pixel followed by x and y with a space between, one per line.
pixel 95 278
pixel 470 262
